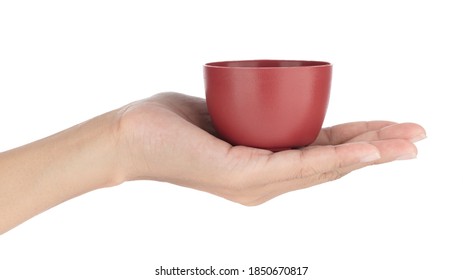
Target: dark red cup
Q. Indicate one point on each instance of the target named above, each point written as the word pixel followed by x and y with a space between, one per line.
pixel 268 104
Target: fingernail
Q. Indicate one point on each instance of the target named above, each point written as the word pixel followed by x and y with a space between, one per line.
pixel 406 156
pixel 418 138
pixel 370 157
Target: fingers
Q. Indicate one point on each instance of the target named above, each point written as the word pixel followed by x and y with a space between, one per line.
pixel 344 132
pixel 272 174
pixel 408 131
pixel 369 131
pixel 319 159
pixel 297 169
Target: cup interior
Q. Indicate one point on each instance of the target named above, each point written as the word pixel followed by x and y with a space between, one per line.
pixel 266 63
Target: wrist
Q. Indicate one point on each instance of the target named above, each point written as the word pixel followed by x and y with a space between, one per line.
pixel 101 137
pixel 140 130
pixel 85 156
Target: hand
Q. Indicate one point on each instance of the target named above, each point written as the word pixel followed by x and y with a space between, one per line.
pixel 169 137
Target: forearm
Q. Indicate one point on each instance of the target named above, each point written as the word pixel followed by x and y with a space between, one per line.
pixel 40 175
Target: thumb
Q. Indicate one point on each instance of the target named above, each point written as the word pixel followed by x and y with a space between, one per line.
pixel 319 159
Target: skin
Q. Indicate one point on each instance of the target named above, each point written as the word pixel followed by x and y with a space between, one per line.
pixel 169 137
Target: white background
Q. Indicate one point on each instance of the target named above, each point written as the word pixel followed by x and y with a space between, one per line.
pixel 62 62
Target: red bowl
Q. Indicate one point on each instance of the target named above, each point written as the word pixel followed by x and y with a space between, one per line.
pixel 268 104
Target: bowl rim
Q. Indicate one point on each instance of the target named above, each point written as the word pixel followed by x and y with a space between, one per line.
pixel 251 64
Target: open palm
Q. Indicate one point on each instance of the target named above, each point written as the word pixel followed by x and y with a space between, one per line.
pixel 170 137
